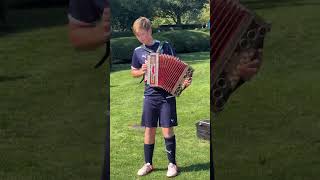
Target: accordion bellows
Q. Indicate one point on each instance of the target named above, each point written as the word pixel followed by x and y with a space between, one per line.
pixel 167 72
pixel 237 36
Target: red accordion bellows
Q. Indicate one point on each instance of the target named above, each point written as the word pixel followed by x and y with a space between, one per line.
pixel 237 36
pixel 167 72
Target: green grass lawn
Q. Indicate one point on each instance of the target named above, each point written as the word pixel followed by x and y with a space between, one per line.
pixel 52 106
pixel 270 128
pixel 127 143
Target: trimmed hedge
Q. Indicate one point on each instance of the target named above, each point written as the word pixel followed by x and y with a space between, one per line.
pixel 167 27
pixel 119 34
pixel 122 49
pixel 183 41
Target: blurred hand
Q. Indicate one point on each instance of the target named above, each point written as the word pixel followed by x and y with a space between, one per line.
pixel 249 69
pixel 144 68
pixel 105 22
pixel 187 82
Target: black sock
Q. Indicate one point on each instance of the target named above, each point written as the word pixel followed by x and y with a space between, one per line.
pixel 148 153
pixel 171 148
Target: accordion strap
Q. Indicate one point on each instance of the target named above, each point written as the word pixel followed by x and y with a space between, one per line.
pixel 160 47
pixel 146 49
pixel 105 56
pixel 160 50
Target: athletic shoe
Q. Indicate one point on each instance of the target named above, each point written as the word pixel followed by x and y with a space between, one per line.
pixel 172 170
pixel 146 169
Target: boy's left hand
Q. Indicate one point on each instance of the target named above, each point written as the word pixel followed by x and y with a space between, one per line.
pixel 187 82
pixel 248 70
pixel 105 22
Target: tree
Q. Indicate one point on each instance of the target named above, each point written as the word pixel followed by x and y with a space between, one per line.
pixel 176 9
pixel 204 16
pixel 124 12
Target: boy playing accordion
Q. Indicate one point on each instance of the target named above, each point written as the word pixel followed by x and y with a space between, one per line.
pixel 159 107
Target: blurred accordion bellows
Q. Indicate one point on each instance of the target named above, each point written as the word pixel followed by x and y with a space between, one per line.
pixel 237 36
pixel 167 72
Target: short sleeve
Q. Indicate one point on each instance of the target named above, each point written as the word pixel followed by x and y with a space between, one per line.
pixel 85 12
pixel 135 64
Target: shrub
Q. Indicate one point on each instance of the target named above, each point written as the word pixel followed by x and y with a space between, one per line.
pixel 183 41
pixel 122 48
pixel 117 34
pixel 186 41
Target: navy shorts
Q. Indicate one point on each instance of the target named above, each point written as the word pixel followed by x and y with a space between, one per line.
pixel 159 111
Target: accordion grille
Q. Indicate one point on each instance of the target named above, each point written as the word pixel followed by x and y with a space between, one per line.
pixel 169 73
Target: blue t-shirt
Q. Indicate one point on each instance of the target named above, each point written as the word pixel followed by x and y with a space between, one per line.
pixel 85 12
pixel 138 58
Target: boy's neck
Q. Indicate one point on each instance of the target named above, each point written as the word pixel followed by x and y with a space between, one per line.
pixel 152 41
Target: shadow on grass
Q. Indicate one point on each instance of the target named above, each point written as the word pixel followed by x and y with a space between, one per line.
pixel 191 168
pixel 12 78
pixel 269 4
pixel 195 167
pixel 24 20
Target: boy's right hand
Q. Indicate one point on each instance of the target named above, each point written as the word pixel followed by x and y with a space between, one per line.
pixel 144 68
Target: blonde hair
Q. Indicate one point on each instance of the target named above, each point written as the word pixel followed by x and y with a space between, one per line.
pixel 142 23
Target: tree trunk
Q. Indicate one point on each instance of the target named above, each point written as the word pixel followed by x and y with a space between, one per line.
pixel 178 19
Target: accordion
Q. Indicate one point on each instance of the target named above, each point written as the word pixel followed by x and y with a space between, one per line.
pixel 237 36
pixel 167 72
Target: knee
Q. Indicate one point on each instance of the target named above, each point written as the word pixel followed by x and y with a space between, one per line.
pixel 167 132
pixel 150 131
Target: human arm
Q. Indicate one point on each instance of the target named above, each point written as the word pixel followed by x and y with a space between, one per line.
pixel 249 69
pixel 89 26
pixel 187 83
pixel 138 72
pixel 87 37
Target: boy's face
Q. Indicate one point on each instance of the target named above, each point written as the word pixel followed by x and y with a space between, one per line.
pixel 144 36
